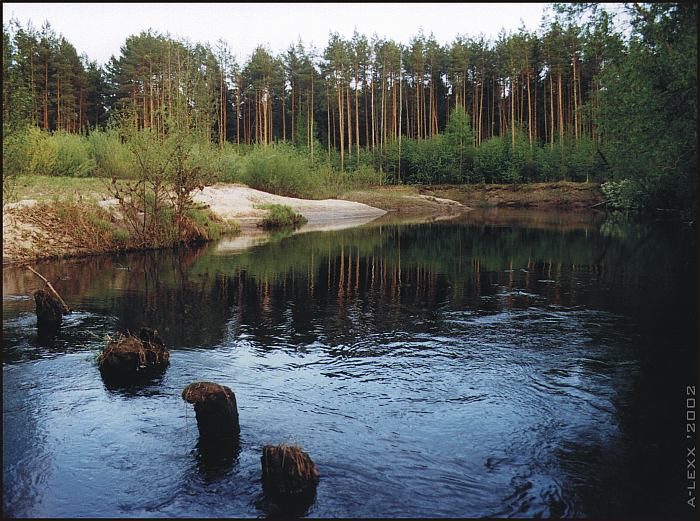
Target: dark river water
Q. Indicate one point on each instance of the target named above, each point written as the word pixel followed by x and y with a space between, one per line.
pixel 501 364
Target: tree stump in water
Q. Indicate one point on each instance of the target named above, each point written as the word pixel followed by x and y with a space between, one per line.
pixel 49 312
pixel 215 409
pixel 129 355
pixel 288 473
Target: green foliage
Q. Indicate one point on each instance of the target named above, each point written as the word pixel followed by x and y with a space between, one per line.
pixel 422 161
pixel 112 157
pixel 73 158
pixel 120 236
pixel 281 216
pixel 624 195
pixel 280 169
pixel 459 147
pixel 30 151
pixel 168 170
pixel 649 106
pixel 583 161
pixel 15 151
pixel 549 164
pixel 517 159
pixel 230 164
pixel 42 152
pixel 205 219
pixel 363 176
pixel 490 160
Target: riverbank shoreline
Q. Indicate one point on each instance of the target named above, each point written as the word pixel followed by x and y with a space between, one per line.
pixel 25 240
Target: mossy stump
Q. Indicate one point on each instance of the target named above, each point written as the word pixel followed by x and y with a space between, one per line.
pixel 288 473
pixel 49 312
pixel 130 355
pixel 215 409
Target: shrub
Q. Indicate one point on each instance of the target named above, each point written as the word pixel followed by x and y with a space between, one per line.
pixel 73 158
pixel 548 161
pixel 15 158
pixel 362 177
pixel 624 195
pixel 281 170
pixel 120 236
pixel 281 216
pixel 490 161
pixel 42 152
pixel 230 164
pixel 214 227
pixel 112 157
pixel 583 162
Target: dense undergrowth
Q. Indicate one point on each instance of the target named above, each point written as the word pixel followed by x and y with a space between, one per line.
pixel 285 169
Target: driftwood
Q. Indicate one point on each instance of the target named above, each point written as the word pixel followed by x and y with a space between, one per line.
pixel 129 355
pixel 288 473
pixel 64 307
pixel 215 408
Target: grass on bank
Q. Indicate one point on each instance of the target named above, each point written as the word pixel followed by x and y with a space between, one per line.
pixel 281 216
pixel 44 188
pixel 76 226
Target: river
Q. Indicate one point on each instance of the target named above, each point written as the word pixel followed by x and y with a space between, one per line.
pixel 504 363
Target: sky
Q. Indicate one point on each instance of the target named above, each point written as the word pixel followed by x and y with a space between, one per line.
pixel 100 29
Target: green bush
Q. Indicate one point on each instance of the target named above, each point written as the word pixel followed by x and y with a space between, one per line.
pixel 490 160
pixel 42 152
pixel 15 158
pixel 281 170
pixel 583 161
pixel 73 157
pixel 281 216
pixel 214 227
pixel 624 195
pixel 230 164
pixel 112 157
pixel 120 236
pixel 548 162
pixel 33 151
pixel 364 176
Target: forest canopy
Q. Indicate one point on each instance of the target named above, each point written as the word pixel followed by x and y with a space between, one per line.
pixel 578 99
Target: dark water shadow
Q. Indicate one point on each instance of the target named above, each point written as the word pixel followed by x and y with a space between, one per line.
pixel 131 386
pixel 216 459
pixel 47 332
pixel 274 508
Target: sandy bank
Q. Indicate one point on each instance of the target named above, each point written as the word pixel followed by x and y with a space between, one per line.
pixel 241 204
pixel 25 238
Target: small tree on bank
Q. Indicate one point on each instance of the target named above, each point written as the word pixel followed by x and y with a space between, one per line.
pixel 168 171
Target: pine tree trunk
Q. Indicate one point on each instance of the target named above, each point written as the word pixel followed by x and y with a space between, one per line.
pixel 374 142
pixel 561 109
pixel 575 104
pixel 529 111
pixel 512 112
pixel 340 122
pixel 348 102
pixel 357 116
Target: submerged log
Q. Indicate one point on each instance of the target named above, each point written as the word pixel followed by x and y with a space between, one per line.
pixel 129 355
pixel 215 408
pixel 288 473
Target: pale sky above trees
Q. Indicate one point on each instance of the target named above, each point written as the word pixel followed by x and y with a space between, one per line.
pixel 99 29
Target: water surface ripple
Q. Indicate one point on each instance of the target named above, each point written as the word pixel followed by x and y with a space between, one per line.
pixel 455 369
